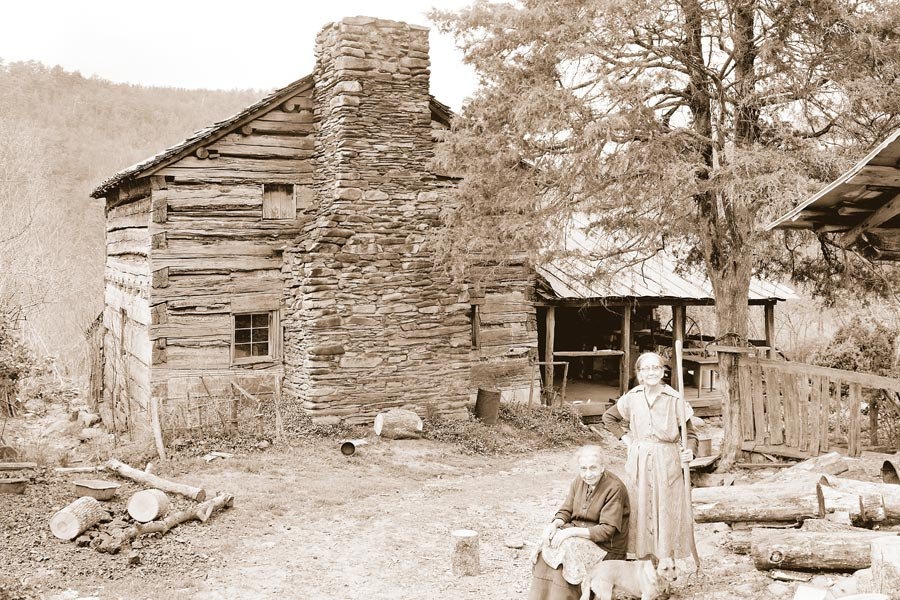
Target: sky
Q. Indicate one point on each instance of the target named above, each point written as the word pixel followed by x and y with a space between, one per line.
pixel 260 44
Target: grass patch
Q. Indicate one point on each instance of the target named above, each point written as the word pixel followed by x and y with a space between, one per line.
pixel 520 429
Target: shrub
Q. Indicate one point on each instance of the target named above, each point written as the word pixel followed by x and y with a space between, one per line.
pixel 520 428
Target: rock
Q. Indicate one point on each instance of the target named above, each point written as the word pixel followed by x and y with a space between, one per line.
pixel 720 527
pixel 863 579
pixel 778 589
pixel 134 558
pixel 845 586
pixel 82 540
pixel 90 433
pixel 515 543
pixel 263 444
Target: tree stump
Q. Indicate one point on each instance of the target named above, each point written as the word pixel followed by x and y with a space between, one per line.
pixel 148 505
pixel 465 559
pixel 78 516
pixel 398 423
pixel 886 566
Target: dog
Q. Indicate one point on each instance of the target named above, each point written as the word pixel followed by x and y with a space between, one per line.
pixel 647 578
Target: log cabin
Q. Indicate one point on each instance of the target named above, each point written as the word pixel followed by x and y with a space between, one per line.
pixel 281 254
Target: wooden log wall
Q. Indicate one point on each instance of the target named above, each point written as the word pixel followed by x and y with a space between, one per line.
pixel 126 314
pixel 789 408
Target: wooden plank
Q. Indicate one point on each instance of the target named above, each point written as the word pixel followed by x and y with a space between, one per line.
pixel 214 264
pixel 854 401
pixel 779 450
pixel 278 202
pixel 218 248
pixel 745 397
pixel 225 164
pixel 159 206
pixel 549 334
pixel 134 214
pixel 824 412
pixel 885 213
pixel 815 415
pixel 769 316
pixel 280 116
pixel 760 423
pixel 802 388
pixel 789 408
pixel 307 142
pixel 160 277
pixel 251 151
pixel 774 413
pixel 247 197
pixel 865 379
pixel 625 362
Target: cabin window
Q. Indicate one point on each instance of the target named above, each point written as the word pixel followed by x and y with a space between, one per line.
pixel 252 340
pixel 279 201
pixel 475 317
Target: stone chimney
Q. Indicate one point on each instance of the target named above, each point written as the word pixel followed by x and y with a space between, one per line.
pixel 371 323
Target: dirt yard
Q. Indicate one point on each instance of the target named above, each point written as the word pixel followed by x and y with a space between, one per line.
pixel 309 522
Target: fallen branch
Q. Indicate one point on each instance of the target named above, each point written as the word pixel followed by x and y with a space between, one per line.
pixel 202 512
pixel 152 481
pixel 78 469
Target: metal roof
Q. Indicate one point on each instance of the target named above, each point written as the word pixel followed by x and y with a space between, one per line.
pixel 655 278
pixel 439 111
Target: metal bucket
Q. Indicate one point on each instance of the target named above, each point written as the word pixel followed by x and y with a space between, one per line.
pixel 487 406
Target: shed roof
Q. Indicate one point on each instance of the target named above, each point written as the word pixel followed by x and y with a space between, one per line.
pixel 439 112
pixel 862 204
pixel 652 280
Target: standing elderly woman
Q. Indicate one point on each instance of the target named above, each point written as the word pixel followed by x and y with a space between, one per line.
pixel 596 509
pixel 652 411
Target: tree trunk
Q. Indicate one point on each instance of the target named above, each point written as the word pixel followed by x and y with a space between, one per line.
pixel 886 566
pixel 398 423
pixel 152 481
pixel 69 522
pixel 760 502
pixel 889 494
pixel 465 560
pixel 148 505
pixel 812 551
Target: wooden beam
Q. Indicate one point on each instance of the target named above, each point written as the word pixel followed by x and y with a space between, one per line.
pixel 679 314
pixel 888 211
pixel 770 328
pixel 625 362
pixel 548 346
pixel 877 176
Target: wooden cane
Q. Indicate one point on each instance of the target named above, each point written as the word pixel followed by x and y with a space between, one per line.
pixel 685 467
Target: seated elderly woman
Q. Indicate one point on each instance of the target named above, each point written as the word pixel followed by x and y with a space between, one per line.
pixel 591 525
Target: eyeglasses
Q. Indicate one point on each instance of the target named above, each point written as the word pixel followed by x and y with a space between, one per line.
pixel 651 368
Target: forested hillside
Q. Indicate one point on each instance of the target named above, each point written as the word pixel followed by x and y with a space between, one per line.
pixel 60 135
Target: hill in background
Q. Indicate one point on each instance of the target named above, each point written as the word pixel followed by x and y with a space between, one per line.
pixel 61 134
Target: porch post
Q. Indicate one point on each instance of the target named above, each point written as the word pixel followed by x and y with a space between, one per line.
pixel 548 347
pixel 678 317
pixel 625 364
pixel 770 328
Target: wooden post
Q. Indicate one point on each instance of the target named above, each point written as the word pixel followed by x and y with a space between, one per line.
pixel 548 347
pixel 873 419
pixel 853 447
pixel 679 312
pixel 625 362
pixel 770 328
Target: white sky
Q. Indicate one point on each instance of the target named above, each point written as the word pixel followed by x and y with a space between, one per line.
pixel 223 44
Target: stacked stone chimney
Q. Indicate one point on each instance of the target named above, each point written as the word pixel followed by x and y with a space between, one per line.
pixel 371 323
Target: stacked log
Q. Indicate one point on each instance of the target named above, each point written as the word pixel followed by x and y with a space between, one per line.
pixel 759 502
pixel 812 550
pixel 888 495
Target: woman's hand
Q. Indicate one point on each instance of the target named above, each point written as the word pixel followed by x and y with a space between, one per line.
pixel 687 456
pixel 550 530
pixel 560 536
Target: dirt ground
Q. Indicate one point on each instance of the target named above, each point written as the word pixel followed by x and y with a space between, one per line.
pixel 309 522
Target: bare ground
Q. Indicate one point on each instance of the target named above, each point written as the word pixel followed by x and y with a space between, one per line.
pixel 309 522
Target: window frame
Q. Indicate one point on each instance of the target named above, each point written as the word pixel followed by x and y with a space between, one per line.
pixel 273 323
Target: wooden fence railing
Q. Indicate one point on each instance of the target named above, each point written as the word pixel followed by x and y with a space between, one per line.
pixel 793 409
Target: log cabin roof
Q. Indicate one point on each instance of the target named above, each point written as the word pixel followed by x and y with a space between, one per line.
pixel 439 112
pixel 861 207
pixel 653 281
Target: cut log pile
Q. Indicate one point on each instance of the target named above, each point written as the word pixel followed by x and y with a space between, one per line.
pixel 807 518
pixel 148 510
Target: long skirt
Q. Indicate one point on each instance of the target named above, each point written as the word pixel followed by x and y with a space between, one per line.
pixel 548 583
pixel 660 521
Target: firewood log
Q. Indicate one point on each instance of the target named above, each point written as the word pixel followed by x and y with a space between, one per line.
pixel 862 508
pixel 832 463
pixel 812 551
pixel 398 423
pixel 886 565
pixel 69 522
pixel 759 502
pixel 889 493
pixel 148 505
pixel 465 560
pixel 152 481
pixel 202 512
